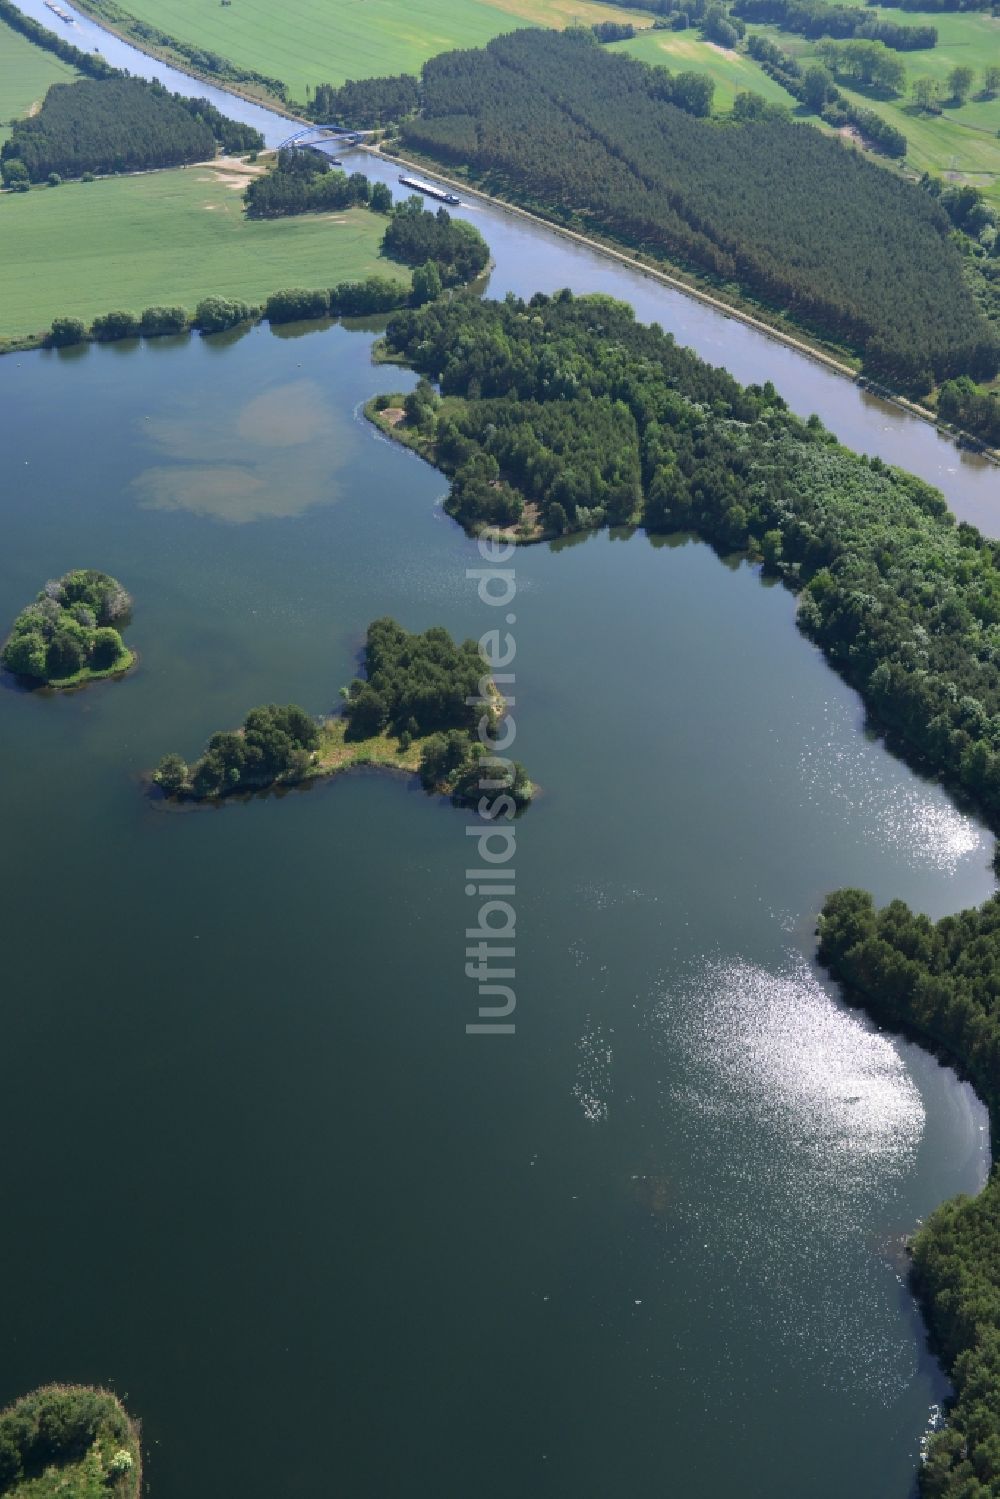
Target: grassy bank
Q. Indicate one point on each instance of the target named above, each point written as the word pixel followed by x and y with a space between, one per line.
pixel 731 71
pixel 27 72
pixel 166 238
pixel 959 144
pixel 307 42
pixel 125 663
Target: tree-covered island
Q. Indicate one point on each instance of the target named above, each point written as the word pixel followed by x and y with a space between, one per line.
pixel 424 707
pixel 69 1442
pixel 71 633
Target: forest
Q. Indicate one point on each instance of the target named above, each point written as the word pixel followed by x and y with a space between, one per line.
pixel 303 181
pixel 72 1440
pixel 940 981
pixel 417 237
pixel 569 406
pixel 119 124
pixel 424 686
pixel 274 744
pixel 70 633
pixel 607 150
pixel 366 103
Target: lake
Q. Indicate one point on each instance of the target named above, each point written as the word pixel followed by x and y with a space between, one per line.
pixel 262 1180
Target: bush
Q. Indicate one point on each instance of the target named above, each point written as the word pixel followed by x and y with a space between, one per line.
pixel 106 648
pixel 158 320
pixel 68 627
pixel 54 179
pixel 170 774
pixel 296 304
pixel 216 314
pixel 376 294
pixel 15 174
pixel 66 331
pixel 275 744
pixel 115 325
pixel 60 1426
pixel 381 198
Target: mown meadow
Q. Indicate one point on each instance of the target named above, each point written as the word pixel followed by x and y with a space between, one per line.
pixel 960 142
pixel 166 237
pixel 308 42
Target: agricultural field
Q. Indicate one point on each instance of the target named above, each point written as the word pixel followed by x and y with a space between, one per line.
pixel 26 74
pixel 961 142
pixel 684 52
pixel 307 42
pixel 166 237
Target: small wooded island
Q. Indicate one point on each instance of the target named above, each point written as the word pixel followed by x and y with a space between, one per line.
pixel 70 1441
pixel 417 710
pixel 70 634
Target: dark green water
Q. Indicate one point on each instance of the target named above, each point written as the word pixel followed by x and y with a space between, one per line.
pixel 258 1177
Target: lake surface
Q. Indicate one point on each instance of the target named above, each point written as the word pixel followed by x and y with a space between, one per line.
pixel 259 1178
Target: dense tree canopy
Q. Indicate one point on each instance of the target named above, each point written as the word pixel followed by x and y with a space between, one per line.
pixel 570 406
pixel 364 104
pixel 425 686
pixel 119 124
pixel 415 236
pixel 71 630
pixel 274 744
pixel 941 981
pixel 414 682
pixel 561 124
pixel 303 181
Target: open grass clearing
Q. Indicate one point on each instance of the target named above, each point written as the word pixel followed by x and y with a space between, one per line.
pixel 684 52
pixel 960 143
pixel 166 238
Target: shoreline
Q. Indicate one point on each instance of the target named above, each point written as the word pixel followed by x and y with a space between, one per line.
pixel 80 681
pixel 699 293
pixel 694 288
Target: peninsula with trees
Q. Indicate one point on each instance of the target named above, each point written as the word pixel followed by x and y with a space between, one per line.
pixel 417 710
pixel 71 634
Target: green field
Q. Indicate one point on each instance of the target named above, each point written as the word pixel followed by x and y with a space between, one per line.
pixel 960 143
pixel 684 52
pixel 26 73
pixel 165 237
pixel 306 42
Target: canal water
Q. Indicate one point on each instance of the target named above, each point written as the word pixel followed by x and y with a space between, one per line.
pixel 258 1177
pixel 530 257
